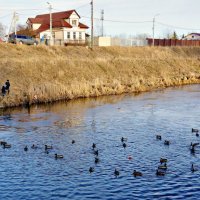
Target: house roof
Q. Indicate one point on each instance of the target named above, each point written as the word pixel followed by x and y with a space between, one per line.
pixel 194 34
pixel 82 25
pixel 57 21
pixel 35 20
pixel 58 15
pixel 55 24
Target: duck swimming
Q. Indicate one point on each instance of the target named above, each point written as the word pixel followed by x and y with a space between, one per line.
pixel 93 145
pixel 167 142
pixel 158 137
pixel 116 172
pixel 48 147
pixel 34 146
pixel 91 169
pixel 58 156
pixel 96 160
pixel 194 130
pixel 137 173
pixel 73 141
pixel 123 139
pixel 192 147
pixel 3 143
pixel 124 145
pixel 6 145
pixel 25 148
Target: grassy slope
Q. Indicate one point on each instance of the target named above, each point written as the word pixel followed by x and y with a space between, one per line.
pixel 53 73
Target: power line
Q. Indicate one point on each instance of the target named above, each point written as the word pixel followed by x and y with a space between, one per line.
pixel 177 27
pixel 118 21
pixel 84 5
pixel 106 20
pixel 4 16
pixel 132 22
pixel 28 9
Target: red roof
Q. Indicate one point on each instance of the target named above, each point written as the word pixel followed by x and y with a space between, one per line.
pixel 82 25
pixel 57 21
pixel 58 15
pixel 55 24
pixel 36 20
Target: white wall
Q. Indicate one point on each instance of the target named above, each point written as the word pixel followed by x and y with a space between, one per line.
pixel 192 37
pixel 74 16
pixel 47 33
pixel 36 26
pixel 72 30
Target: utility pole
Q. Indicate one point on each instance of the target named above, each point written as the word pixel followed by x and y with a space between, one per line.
pixel 92 24
pixel 102 19
pixel 153 29
pixel 11 25
pixel 154 19
pixel 15 22
pixel 50 20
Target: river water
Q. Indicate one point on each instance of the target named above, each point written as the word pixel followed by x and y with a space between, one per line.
pixel 34 174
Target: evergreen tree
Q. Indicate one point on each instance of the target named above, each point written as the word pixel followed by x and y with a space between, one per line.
pixel 174 36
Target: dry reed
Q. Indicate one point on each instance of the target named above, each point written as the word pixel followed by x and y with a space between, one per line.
pixel 45 74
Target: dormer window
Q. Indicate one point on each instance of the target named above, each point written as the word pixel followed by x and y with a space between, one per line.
pixel 74 22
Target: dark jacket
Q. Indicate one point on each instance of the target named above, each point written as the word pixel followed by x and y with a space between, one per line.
pixel 7 85
pixel 3 89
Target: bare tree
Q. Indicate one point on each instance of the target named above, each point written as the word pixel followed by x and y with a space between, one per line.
pixel 21 27
pixel 23 30
pixel 2 30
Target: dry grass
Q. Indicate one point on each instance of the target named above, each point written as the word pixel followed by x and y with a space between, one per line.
pixel 65 73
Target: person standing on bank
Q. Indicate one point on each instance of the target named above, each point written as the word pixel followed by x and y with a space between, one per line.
pixel 3 90
pixel 7 86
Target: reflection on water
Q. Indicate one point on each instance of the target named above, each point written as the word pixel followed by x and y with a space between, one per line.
pixel 34 174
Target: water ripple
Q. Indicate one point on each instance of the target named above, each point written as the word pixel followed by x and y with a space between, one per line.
pixel 37 175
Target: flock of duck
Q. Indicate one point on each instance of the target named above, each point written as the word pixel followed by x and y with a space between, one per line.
pixel 162 168
pixel 160 171
pixel 163 160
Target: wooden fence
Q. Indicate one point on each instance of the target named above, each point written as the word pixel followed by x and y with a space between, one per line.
pixel 172 42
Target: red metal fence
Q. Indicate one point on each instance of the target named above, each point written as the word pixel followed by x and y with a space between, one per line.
pixel 172 42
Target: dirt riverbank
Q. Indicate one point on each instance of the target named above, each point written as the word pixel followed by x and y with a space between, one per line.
pixel 45 74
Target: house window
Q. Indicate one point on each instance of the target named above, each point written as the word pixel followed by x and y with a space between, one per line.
pixel 80 35
pixel 74 22
pixel 74 35
pixel 68 35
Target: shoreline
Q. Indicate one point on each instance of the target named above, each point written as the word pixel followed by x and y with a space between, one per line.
pixel 40 74
pixel 33 102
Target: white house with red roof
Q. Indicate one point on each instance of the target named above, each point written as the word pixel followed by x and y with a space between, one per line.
pixel 66 27
pixel 192 36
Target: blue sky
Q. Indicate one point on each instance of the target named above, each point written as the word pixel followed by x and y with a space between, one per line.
pixel 181 16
